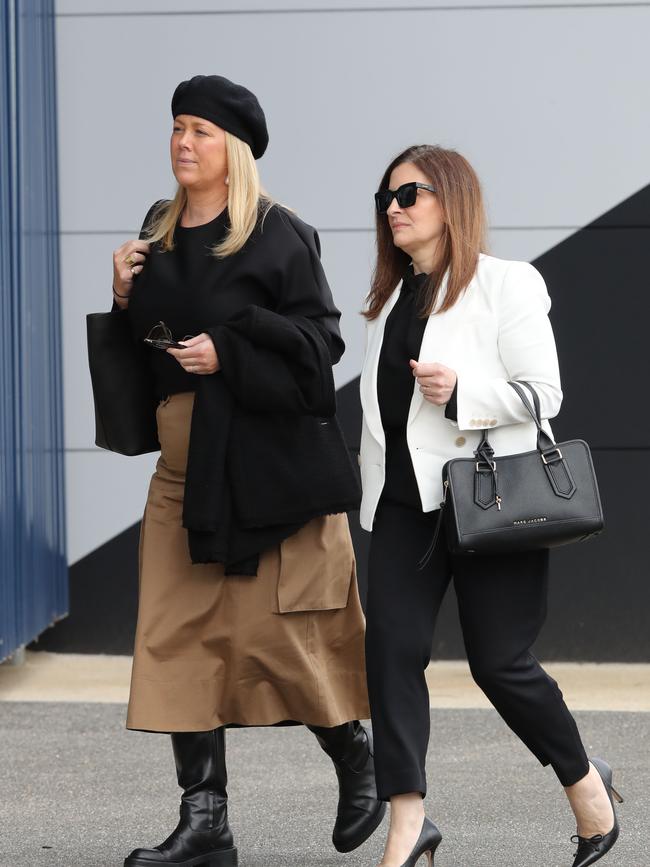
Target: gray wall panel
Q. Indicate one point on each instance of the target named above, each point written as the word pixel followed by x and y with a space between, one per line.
pixel 526 94
pixel 546 102
pixel 105 493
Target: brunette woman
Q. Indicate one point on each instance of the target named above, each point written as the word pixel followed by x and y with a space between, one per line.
pixel 448 326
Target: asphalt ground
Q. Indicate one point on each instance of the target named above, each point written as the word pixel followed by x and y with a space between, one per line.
pixel 78 790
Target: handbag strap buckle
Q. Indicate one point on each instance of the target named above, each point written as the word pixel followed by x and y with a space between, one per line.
pixel 556 457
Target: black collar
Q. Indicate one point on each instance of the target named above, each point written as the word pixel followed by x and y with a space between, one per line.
pixel 414 281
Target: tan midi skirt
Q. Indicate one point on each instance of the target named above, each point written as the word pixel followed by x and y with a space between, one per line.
pixel 213 650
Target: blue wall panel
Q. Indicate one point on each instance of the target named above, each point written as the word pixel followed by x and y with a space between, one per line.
pixel 33 576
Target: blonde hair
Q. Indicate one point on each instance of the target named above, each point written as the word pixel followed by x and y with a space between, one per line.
pixel 246 201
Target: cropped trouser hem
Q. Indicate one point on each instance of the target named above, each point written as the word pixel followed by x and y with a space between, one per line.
pixel 400 783
pixel 570 776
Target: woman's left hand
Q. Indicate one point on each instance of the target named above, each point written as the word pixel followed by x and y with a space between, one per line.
pixel 199 356
pixel 436 381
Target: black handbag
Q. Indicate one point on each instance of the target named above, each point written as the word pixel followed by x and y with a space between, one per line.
pixel 538 499
pixel 123 390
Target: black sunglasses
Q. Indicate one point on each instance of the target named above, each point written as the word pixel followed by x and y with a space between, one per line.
pixel 161 337
pixel 405 195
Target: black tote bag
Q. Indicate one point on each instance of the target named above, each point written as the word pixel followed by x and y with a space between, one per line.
pixel 539 499
pixel 123 391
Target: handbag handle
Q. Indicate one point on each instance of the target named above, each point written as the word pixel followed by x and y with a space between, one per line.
pixel 545 443
pixel 487 481
pixel 554 463
pixel 536 413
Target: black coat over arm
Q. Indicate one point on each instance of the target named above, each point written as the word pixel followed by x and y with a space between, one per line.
pixel 266 452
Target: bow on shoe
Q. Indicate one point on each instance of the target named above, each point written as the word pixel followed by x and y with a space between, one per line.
pixel 586 845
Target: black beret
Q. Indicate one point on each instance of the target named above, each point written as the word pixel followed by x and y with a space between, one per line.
pixel 231 106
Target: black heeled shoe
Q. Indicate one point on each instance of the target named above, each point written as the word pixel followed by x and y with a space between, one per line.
pixel 592 849
pixel 427 843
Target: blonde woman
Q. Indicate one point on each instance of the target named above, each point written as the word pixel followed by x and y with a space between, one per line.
pixel 249 610
pixel 448 326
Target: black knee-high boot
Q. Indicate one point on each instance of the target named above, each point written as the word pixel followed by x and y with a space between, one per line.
pixel 202 835
pixel 359 812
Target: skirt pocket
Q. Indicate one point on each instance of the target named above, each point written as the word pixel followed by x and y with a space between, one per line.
pixel 316 566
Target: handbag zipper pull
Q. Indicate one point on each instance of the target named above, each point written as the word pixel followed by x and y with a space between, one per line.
pixel 495 476
pixel 445 486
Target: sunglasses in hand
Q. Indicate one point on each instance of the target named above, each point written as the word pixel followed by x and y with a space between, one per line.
pixel 161 338
pixel 406 196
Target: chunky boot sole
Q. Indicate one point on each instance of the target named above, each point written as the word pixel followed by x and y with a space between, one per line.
pixel 368 831
pixel 218 858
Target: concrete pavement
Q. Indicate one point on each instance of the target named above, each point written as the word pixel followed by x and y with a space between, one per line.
pixel 89 678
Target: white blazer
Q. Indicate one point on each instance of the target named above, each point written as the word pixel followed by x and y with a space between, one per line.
pixel 498 330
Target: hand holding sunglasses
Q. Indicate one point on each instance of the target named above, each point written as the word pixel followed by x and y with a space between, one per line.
pixel 199 355
pixel 195 354
pixel 406 196
pixel 161 337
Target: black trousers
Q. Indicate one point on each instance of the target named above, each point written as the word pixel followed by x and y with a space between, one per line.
pixel 502 606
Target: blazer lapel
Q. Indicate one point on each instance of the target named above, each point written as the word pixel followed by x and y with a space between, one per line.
pixel 432 347
pixel 368 385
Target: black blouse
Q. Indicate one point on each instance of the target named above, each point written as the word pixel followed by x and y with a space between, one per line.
pixel 395 383
pixel 191 290
pixel 178 288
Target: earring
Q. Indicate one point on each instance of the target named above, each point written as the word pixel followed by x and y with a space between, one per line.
pixel 226 181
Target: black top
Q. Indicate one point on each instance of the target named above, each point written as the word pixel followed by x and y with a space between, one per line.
pixel 191 290
pixel 395 384
pixel 179 288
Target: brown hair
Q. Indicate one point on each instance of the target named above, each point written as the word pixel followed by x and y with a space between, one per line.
pixel 459 192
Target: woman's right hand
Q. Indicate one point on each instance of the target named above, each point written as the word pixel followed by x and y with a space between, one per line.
pixel 128 261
